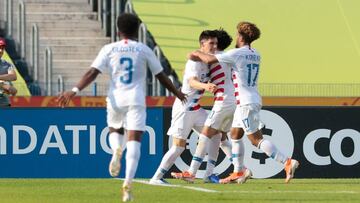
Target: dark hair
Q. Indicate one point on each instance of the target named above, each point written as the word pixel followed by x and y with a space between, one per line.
pixel 224 39
pixel 128 24
pixel 248 31
pixel 207 34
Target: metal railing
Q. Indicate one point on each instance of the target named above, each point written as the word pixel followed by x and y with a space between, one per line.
pixel 35 51
pixel 309 90
pixel 128 7
pixel 60 83
pixel 9 17
pixel 105 12
pixel 48 68
pixel 156 87
pixel 22 29
pixel 142 34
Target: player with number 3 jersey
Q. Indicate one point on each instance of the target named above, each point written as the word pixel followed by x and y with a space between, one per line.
pixel 126 62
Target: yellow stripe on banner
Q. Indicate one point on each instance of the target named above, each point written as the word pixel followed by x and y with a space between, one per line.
pixel 20 83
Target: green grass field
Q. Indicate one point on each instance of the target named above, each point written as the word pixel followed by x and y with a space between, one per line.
pixel 302 42
pixel 108 190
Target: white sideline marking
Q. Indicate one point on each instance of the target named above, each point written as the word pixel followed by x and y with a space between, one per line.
pixel 250 191
pixel 178 186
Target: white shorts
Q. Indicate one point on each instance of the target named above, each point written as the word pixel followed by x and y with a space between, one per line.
pixel 247 117
pixel 183 121
pixel 221 117
pixel 128 117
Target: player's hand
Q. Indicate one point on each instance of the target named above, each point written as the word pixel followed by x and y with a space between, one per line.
pixel 65 97
pixel 182 97
pixel 8 89
pixel 211 87
pixel 194 56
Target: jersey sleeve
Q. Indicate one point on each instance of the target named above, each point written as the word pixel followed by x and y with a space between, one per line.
pixel 10 67
pixel 152 61
pixel 192 69
pixel 101 62
pixel 227 57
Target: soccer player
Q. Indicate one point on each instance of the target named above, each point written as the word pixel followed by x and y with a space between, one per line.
pixel 7 74
pixel 218 121
pixel 190 115
pixel 126 62
pixel 246 63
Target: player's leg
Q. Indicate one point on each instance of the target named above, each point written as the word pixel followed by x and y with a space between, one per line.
pixel 201 148
pixel 240 173
pixel 116 137
pixel 213 153
pixel 135 126
pixel 225 146
pixel 221 121
pixel 168 160
pixel 256 138
pixel 117 143
pixel 181 125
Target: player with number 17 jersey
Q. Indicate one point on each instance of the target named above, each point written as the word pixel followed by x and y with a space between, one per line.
pixel 126 62
pixel 245 62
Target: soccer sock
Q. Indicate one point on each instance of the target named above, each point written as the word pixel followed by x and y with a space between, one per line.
pixel 238 152
pixel 168 160
pixel 225 145
pixel 270 150
pixel 199 153
pixel 213 153
pixel 116 140
pixel 132 160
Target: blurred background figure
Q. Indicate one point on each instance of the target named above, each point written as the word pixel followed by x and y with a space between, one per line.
pixel 7 74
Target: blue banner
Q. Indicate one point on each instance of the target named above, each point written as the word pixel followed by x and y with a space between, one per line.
pixel 68 143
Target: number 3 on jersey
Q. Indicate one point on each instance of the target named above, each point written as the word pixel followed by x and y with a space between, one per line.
pixel 253 71
pixel 128 63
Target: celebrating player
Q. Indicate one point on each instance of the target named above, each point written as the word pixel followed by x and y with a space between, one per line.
pixel 246 61
pixel 126 62
pixel 190 115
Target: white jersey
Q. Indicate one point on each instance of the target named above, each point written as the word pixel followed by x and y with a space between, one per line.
pixel 221 76
pixel 245 62
pixel 126 62
pixel 192 69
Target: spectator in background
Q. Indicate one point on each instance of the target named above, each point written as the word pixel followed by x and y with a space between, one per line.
pixel 7 74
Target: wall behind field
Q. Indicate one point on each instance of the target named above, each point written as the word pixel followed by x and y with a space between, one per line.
pixel 72 143
pixel 302 42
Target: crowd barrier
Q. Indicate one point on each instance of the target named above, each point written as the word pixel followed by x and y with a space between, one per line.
pixel 72 143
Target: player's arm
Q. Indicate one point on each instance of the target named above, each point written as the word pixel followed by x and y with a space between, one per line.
pixel 204 57
pixel 157 70
pixel 86 79
pixel 10 76
pixel 8 89
pixel 196 84
pixel 164 80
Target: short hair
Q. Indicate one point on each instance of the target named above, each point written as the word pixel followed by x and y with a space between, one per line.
pixel 207 34
pixel 128 24
pixel 249 31
pixel 224 39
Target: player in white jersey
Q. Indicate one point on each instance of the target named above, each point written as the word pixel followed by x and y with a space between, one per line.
pixel 126 62
pixel 218 121
pixel 189 115
pixel 246 63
